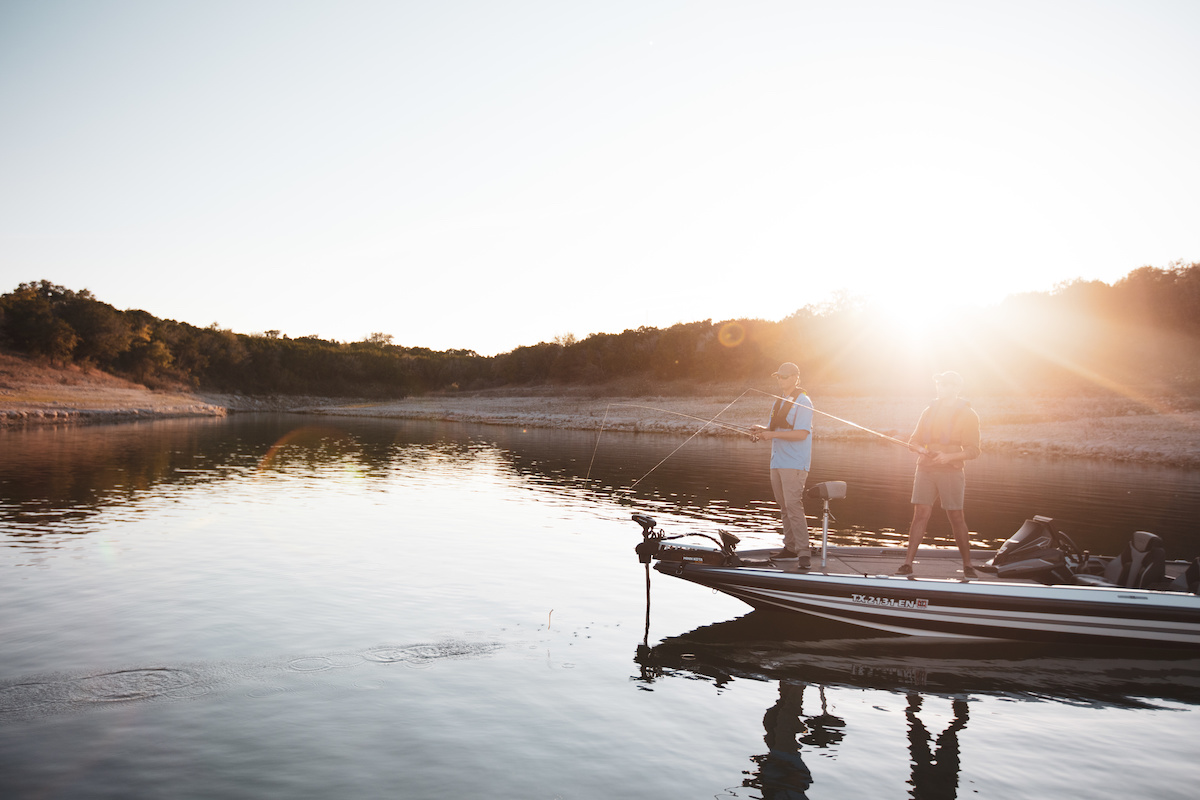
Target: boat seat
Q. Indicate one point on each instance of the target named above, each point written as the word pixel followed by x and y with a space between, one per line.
pixel 1141 565
pixel 1189 579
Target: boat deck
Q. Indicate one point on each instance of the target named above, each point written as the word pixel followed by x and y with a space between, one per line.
pixel 931 562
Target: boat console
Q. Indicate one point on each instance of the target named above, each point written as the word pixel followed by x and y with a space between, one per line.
pixel 1039 551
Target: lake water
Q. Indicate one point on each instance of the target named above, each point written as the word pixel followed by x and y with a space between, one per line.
pixel 306 607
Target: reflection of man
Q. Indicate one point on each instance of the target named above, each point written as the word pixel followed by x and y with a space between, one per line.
pixel 790 433
pixel 934 772
pixel 947 435
pixel 825 729
pixel 782 772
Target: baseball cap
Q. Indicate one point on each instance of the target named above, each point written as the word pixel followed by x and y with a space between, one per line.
pixel 786 370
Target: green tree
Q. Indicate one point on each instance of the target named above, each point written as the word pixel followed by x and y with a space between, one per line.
pixel 31 322
pixel 104 333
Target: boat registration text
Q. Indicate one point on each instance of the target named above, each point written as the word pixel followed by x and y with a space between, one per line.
pixel 889 602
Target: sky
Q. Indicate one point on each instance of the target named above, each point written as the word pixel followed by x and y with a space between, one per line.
pixel 487 175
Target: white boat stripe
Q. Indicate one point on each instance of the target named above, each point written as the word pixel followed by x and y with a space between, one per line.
pixel 1048 622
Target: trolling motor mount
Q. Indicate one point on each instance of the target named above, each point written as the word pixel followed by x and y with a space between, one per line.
pixel 651 538
pixel 654 545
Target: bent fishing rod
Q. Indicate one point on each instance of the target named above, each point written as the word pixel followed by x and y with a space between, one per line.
pixel 751 432
pixel 907 445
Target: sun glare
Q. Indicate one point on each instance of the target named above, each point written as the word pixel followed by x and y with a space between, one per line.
pixel 906 319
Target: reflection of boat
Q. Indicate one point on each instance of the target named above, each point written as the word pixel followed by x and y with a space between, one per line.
pixel 939 682
pixel 1039 587
pixel 769 645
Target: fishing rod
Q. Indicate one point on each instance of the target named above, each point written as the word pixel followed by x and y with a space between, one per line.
pixel 727 426
pixel 893 439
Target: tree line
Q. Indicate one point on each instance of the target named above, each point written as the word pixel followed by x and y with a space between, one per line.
pixel 1140 333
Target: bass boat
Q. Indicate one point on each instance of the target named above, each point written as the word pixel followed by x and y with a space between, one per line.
pixel 1038 586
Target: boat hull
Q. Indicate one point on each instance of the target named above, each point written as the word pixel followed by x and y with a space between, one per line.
pixel 962 609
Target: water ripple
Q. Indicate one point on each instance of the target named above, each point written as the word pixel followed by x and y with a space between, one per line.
pixel 53 696
pixel 323 663
pixel 424 655
pixel 44 695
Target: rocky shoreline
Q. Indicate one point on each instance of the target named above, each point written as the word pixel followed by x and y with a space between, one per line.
pixel 1124 431
pixel 1116 429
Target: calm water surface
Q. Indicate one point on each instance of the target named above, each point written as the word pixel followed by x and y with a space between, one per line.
pixel 284 606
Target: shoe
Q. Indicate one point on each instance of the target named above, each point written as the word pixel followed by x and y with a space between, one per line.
pixel 785 555
pixel 969 573
pixel 805 562
pixel 905 569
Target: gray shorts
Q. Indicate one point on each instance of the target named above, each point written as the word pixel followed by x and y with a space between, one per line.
pixel 949 485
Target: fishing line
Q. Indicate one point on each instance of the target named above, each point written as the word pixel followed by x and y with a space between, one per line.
pixel 713 421
pixel 597 447
pixel 693 436
pixel 893 439
pixel 707 422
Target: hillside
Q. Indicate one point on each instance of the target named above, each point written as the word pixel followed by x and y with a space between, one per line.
pixel 1085 338
pixel 33 392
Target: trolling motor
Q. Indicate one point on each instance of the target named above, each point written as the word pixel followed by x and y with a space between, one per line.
pixel 655 545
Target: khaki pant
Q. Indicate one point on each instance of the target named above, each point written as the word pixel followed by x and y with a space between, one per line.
pixel 788 485
pixel 947 485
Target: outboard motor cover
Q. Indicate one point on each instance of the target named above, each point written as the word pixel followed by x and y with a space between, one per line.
pixel 1034 552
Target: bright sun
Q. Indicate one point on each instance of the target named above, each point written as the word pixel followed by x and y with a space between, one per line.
pixel 909 319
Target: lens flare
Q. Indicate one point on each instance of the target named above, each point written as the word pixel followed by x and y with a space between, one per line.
pixel 731 334
pixel 313 437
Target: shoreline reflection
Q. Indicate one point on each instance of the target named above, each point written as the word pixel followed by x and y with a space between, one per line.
pixel 53 479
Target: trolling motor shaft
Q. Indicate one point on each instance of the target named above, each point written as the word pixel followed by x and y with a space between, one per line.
pixel 650 538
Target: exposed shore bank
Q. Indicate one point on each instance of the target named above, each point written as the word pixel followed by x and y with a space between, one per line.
pixel 34 393
pixel 1059 427
pixel 1115 429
